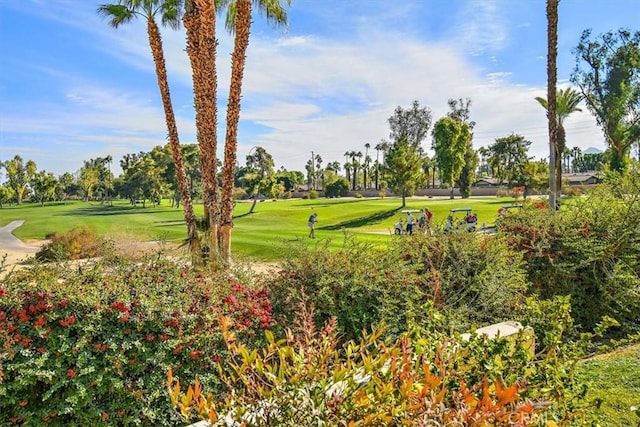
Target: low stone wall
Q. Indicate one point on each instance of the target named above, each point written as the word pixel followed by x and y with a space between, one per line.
pixel 425 192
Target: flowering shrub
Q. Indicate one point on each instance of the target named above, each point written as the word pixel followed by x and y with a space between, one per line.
pixel 94 346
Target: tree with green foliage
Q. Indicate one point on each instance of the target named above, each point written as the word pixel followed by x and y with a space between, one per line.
pixel 509 157
pixel 566 103
pixel 101 166
pixel 402 168
pixel 468 173
pixel 411 124
pixel 589 162
pixel 66 186
pixel 5 195
pixel 460 110
pixel 337 188
pixel 451 139
pixel 44 186
pixel 88 178
pixel 259 176
pixel 144 181
pixel 18 176
pixel 536 176
pixel 291 180
pixel 608 74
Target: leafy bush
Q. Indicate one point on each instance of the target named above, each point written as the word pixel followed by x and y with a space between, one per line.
pixel 240 194
pixel 357 284
pixel 93 346
pixel 588 250
pixel 77 243
pixel 313 194
pixel 358 195
pixel 473 279
pixel 287 195
pixel 572 191
pixel 421 378
pixel 337 188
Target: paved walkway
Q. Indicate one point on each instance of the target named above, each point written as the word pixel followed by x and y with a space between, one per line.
pixel 9 242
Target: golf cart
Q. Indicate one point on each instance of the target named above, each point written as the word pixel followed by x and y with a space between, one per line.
pixel 461 219
pixel 507 210
pixel 510 209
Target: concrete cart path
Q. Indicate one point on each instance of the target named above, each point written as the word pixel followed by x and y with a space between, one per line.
pixel 9 242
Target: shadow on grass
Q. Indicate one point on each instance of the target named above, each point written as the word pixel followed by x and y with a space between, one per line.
pixel 362 221
pixel 98 210
pixel 314 203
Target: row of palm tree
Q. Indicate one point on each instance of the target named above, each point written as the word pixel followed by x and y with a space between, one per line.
pixel 199 17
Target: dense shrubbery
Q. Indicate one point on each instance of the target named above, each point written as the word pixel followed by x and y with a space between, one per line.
pixel 91 345
pixel 338 188
pixel 77 243
pixel 358 285
pixel 424 377
pixel 590 250
pixel 475 281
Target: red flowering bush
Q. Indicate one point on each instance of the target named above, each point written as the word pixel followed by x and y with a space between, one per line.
pixel 93 346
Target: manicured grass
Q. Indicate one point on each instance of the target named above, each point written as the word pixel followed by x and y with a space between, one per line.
pixel 259 235
pixel 614 385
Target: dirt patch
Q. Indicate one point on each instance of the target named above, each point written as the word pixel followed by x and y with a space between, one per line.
pixel 15 258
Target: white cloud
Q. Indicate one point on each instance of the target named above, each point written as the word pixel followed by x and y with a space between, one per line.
pixel 301 93
pixel 481 26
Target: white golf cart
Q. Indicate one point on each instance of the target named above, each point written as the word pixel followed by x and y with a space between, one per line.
pixel 461 219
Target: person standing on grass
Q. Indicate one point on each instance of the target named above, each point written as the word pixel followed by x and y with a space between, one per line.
pixel 398 227
pixel 312 225
pixel 410 220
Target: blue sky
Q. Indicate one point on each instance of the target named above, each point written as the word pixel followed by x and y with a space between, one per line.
pixel 73 88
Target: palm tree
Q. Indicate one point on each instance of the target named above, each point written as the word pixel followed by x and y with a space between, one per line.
pixel 367 162
pixel 355 165
pixel 347 165
pixel 381 146
pixel 200 23
pixel 125 11
pixel 347 170
pixel 238 21
pixel 566 103
pixel 576 153
pixel 552 77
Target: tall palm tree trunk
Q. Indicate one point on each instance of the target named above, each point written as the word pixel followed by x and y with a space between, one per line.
pixel 560 147
pixel 155 42
pixel 242 30
pixel 552 71
pixel 200 23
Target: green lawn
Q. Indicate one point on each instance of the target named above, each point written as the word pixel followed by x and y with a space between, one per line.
pixel 258 235
pixel 614 385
